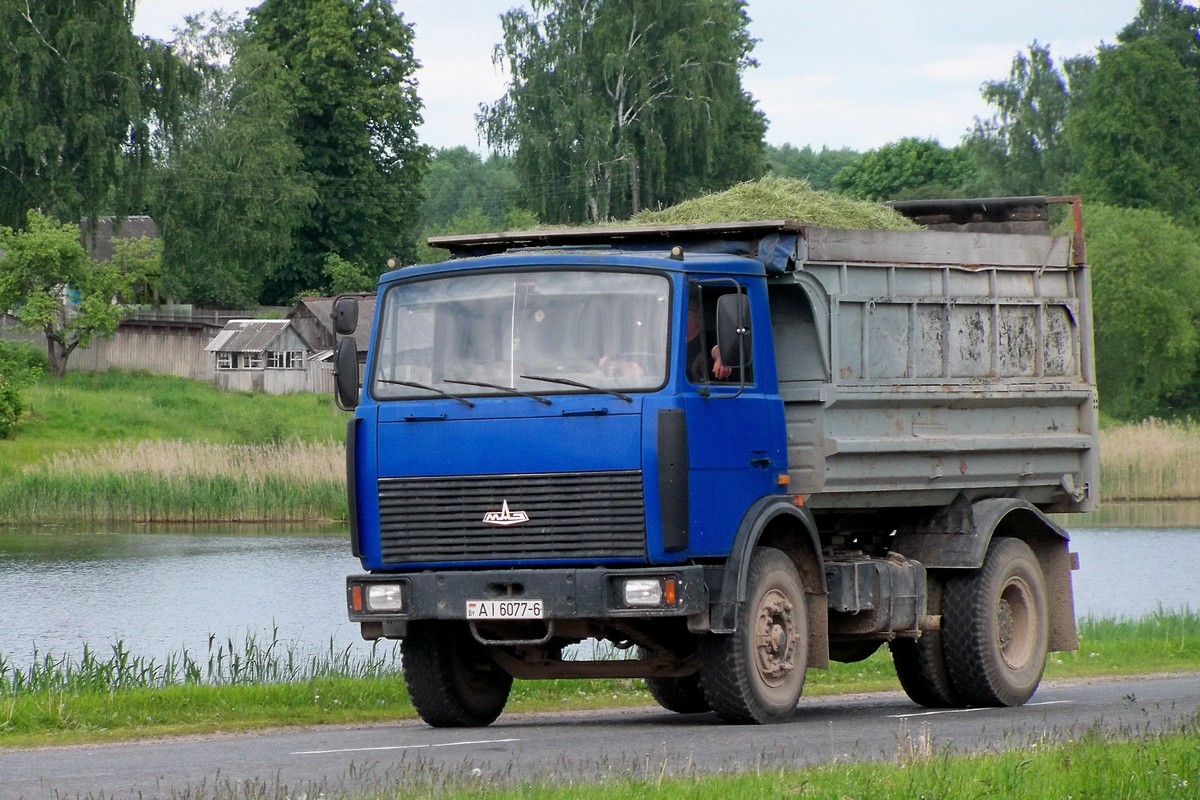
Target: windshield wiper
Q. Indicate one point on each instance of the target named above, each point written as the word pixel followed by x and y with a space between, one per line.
pixel 433 389
pixel 498 387
pixel 569 382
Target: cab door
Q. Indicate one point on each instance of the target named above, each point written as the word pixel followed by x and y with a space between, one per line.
pixel 735 427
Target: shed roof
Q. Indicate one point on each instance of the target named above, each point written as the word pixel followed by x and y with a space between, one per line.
pixel 321 309
pixel 249 336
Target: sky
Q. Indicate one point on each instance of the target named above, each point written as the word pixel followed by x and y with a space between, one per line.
pixel 847 73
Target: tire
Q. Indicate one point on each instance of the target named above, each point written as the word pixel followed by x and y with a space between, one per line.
pixel 921 668
pixel 995 627
pixel 681 695
pixel 451 679
pixel 756 674
pixel 921 663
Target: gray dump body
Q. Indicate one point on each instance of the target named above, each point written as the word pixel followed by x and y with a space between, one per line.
pixel 919 365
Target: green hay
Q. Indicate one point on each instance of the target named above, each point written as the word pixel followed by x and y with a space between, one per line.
pixel 779 198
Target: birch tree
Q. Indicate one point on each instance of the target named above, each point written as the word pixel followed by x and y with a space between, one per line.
pixel 618 105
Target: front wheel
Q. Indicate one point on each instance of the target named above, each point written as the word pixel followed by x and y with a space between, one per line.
pixel 451 679
pixel 756 673
pixel 995 627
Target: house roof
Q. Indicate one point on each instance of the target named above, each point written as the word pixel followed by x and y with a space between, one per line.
pixel 249 336
pixel 99 243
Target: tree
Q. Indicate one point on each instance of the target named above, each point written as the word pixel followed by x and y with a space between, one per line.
pixel 816 168
pixel 79 98
pixel 618 105
pixel 907 169
pixel 234 194
pixel 1021 150
pixel 1133 130
pixel 46 276
pixel 1146 290
pixel 357 112
pixel 1171 23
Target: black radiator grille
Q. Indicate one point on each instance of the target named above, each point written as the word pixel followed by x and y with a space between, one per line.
pixel 585 515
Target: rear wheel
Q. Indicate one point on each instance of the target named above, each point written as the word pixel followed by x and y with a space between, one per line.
pixel 921 668
pixel 452 680
pixel 681 695
pixel 995 624
pixel 921 663
pixel 756 674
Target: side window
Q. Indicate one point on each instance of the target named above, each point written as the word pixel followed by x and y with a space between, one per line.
pixel 703 360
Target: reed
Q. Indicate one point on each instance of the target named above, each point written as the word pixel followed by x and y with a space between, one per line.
pixel 251 662
pixel 157 481
pixel 1150 460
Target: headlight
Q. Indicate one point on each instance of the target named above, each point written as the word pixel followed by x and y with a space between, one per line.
pixel 384 597
pixel 649 592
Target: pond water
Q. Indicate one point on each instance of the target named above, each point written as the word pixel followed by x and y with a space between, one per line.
pixel 160 593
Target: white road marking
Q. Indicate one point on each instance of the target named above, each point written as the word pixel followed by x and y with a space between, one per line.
pixel 401 747
pixel 972 710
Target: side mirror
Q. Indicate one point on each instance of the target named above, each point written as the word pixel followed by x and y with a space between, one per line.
pixel 345 315
pixel 733 329
pixel 345 374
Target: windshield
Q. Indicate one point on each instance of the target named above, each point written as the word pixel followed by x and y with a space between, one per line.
pixel 537 332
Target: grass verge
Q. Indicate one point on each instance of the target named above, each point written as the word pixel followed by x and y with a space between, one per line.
pixel 1122 765
pixel 61 700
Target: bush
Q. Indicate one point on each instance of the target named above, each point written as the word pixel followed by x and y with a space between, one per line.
pixel 20 365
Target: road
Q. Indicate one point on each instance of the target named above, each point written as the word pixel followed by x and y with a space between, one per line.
pixel 579 745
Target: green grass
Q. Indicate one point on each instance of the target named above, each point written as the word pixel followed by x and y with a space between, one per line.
pixel 253 684
pixel 83 412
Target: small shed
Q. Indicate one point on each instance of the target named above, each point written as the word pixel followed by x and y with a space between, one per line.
pixel 266 355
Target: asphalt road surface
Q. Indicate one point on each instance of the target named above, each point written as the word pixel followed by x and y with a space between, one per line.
pixel 570 746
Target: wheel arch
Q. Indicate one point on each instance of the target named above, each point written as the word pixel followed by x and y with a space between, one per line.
pixel 964 546
pixel 777 522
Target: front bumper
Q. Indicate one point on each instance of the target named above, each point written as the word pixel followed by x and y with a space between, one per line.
pixel 566 593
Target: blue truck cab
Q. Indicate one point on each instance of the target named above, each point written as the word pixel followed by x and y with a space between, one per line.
pixel 582 435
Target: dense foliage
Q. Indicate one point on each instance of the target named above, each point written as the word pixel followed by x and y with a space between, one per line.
pixel 1146 290
pixel 79 98
pixel 236 193
pixel 906 169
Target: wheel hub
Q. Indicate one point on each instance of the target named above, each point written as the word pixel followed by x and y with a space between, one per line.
pixel 776 638
pixel 1015 624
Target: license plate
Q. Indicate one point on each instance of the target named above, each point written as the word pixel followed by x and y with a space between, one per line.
pixel 504 609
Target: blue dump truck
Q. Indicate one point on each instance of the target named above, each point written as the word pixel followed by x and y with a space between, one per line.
pixel 724 454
